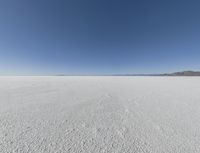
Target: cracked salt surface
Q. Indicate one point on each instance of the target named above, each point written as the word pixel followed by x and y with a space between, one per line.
pixel 99 114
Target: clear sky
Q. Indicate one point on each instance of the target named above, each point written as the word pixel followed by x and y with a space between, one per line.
pixel 45 37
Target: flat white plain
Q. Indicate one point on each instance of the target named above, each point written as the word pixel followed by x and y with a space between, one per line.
pixel 99 114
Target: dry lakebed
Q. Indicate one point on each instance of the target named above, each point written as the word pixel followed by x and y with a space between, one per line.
pixel 99 114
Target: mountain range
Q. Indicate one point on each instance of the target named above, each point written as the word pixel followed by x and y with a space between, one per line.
pixel 183 73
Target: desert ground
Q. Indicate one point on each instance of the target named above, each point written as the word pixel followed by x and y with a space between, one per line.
pixel 99 114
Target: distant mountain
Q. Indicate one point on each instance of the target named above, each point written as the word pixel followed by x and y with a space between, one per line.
pixel 183 73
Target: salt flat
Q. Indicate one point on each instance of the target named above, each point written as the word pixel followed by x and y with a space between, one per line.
pixel 99 114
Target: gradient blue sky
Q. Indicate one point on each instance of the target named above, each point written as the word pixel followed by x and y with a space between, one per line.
pixel 45 37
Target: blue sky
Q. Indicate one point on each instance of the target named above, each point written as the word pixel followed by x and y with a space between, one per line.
pixel 47 37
